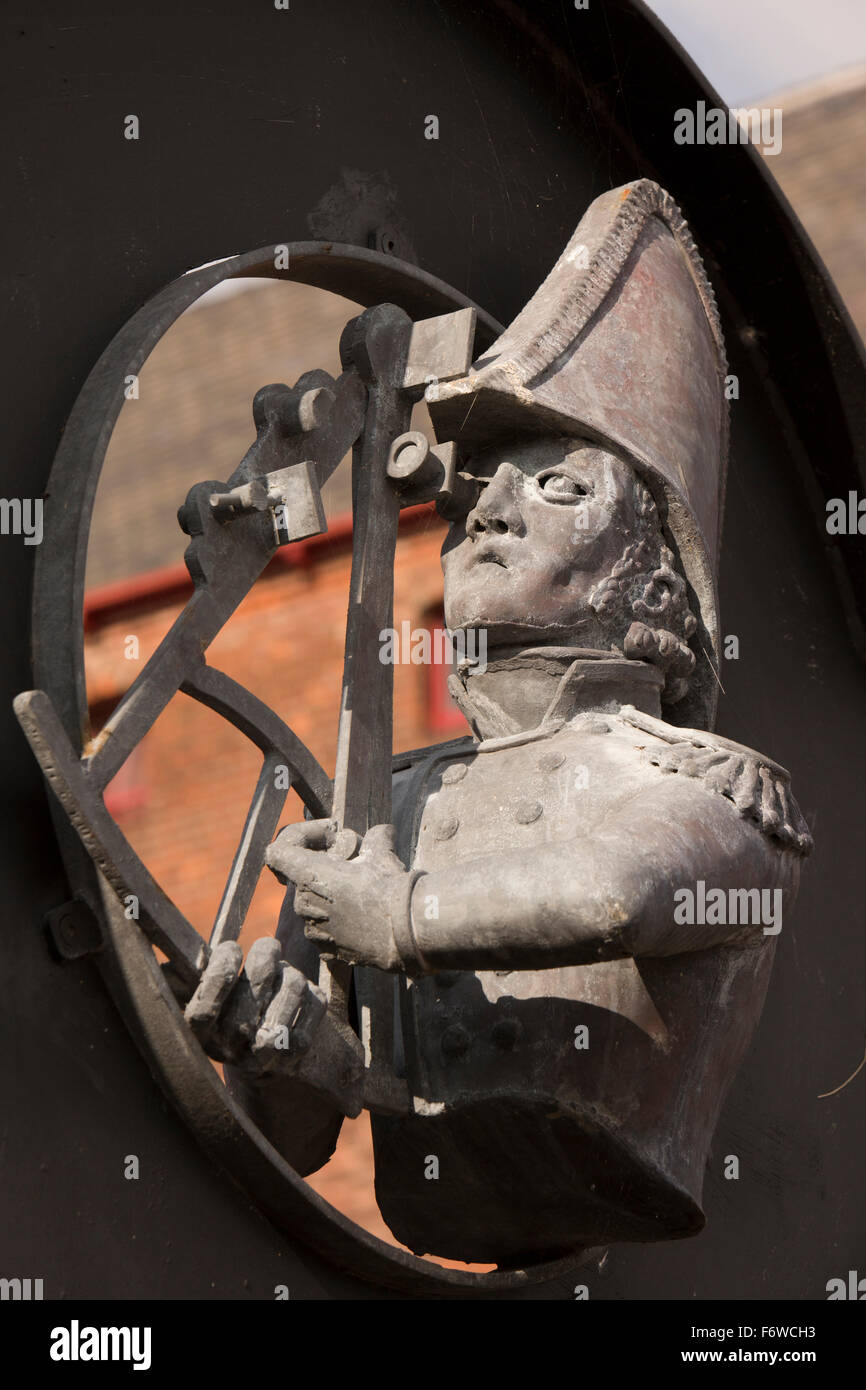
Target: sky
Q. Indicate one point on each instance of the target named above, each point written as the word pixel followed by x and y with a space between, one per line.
pixel 754 48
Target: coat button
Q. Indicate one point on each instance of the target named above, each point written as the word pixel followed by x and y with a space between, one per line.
pixel 551 761
pixel 455 1041
pixel 527 812
pixel 507 1032
pixel 446 827
pixel 455 772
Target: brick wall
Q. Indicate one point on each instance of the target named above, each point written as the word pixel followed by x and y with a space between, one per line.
pixel 194 773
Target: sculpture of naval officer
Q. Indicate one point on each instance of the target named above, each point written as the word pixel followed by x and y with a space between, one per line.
pixel 556 1031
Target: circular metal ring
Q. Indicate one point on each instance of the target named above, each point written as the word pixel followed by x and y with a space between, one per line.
pixel 127 963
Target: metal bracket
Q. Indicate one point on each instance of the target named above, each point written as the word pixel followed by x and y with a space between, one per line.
pixel 74 929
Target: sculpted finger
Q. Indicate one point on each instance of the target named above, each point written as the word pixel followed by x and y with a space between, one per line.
pixel 379 839
pixel 314 1006
pixel 310 906
pixel 275 1032
pixel 253 992
pixel 308 834
pixel 379 843
pixel 263 969
pixel 346 844
pixel 289 862
pixel 214 988
pixel 319 934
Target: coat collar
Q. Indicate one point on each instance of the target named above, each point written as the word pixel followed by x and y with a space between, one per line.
pixel 528 694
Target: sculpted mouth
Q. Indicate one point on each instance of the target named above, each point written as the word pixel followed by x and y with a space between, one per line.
pixel 490 557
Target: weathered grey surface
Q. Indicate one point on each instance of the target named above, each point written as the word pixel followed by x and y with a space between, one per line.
pixel 584 550
pixel 543 1146
pixel 528 893
pixel 525 892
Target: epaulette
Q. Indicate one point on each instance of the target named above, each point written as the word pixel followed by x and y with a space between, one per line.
pixel 759 788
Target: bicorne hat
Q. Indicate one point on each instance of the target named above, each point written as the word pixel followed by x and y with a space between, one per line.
pixel 621 345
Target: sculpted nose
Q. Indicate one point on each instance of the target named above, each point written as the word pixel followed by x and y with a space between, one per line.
pixel 497 510
pixel 483 521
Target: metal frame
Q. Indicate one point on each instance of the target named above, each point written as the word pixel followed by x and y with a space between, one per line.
pixel 138 985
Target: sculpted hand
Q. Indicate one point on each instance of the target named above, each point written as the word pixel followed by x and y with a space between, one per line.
pixel 261 1020
pixel 352 908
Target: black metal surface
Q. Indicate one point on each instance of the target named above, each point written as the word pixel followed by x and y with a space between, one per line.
pixel 539 110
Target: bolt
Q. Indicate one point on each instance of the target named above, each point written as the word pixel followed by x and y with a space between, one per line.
pixel 66 927
pixel 383 239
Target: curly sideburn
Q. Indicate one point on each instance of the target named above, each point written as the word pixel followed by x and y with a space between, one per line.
pixel 643 601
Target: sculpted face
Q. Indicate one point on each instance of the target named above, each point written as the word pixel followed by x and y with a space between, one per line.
pixel 552 519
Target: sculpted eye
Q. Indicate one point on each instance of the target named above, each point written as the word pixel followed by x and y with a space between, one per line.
pixel 559 487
